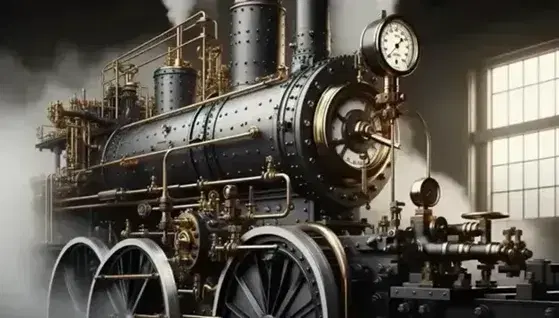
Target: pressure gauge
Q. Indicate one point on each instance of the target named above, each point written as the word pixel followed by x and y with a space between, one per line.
pixel 425 192
pixel 389 46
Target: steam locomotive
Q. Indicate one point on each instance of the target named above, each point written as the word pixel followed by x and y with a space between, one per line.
pixel 233 191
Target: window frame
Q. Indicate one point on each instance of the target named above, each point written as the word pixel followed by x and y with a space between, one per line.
pixel 479 100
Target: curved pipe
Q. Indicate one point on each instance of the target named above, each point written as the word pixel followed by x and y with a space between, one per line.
pixel 341 257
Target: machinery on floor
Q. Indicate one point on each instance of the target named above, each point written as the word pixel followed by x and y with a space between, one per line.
pixel 232 191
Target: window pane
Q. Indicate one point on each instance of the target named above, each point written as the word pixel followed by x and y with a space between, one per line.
pixel 547 172
pixel 547 144
pixel 531 146
pixel 516 203
pixel 499 202
pixel 557 64
pixel 530 204
pixel 531 103
pixel 556 97
pixel 499 79
pixel 515 75
pixel 531 175
pixel 516 149
pixel 547 202
pixel 531 71
pixel 516 110
pixel 547 99
pixel 499 112
pixel 516 175
pixel 500 150
pixel 500 178
pixel 547 66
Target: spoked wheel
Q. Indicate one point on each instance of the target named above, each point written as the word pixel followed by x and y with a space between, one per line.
pixel 72 275
pixel 293 281
pixel 135 280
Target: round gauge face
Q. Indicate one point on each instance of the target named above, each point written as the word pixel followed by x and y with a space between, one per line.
pixel 399 46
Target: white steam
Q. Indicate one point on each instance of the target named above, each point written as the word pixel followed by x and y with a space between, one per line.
pixel 23 99
pixel 348 18
pixel 411 166
pixel 179 10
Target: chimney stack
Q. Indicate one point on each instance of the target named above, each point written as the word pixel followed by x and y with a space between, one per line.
pixel 255 40
pixel 311 42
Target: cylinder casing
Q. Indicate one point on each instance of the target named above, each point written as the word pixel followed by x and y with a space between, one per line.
pixel 255 40
pixel 175 87
pixel 312 34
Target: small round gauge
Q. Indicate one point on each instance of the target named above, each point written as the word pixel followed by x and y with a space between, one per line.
pixel 425 192
pixel 389 46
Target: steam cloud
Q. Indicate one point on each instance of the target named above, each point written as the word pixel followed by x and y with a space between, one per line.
pixel 179 10
pixel 23 102
pixel 22 272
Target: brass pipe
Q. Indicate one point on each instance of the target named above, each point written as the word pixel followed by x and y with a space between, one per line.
pixel 156 57
pixel 339 253
pixel 128 276
pixel 125 204
pixel 199 15
pixel 203 61
pixel 287 208
pixel 179 54
pixel 253 132
pixel 278 78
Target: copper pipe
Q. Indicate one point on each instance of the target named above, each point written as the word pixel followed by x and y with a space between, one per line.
pixel 339 253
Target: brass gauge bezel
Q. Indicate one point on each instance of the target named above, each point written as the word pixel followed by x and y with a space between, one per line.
pixel 371 52
pixel 328 105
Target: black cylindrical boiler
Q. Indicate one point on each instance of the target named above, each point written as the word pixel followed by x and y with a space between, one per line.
pixel 255 40
pixel 175 87
pixel 311 41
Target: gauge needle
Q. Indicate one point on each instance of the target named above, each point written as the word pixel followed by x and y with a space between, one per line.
pixel 396 46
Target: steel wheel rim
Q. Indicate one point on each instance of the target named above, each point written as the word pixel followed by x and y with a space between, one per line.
pixel 296 248
pixel 134 295
pixel 69 284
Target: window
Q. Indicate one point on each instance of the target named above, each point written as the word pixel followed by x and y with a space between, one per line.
pixel 520 135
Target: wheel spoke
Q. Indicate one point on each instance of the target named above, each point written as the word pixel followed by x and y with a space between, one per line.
pixel 137 294
pixel 304 310
pixel 286 267
pixel 262 282
pixel 250 297
pixel 73 273
pixel 291 293
pixel 295 278
pixel 70 283
pixel 133 270
pixel 236 311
